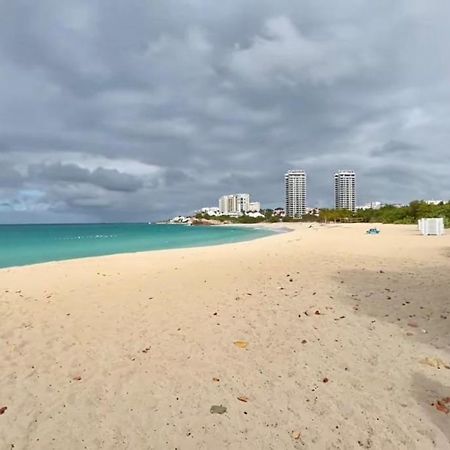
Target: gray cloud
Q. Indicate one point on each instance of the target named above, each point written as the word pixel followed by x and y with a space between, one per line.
pixel 60 172
pixel 114 111
pixel 396 148
pixel 109 179
pixel 114 180
pixel 9 176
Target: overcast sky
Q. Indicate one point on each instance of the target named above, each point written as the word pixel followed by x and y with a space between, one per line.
pixel 138 110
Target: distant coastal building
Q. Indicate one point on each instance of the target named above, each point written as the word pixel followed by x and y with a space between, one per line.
pixel 434 202
pixel 313 211
pixel 254 207
pixel 295 184
pixel 237 204
pixel 345 190
pixel 280 212
pixel 371 205
pixel 180 220
pixel 255 214
pixel 210 211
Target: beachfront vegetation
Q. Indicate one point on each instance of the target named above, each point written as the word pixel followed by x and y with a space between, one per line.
pixel 409 214
pixel 228 219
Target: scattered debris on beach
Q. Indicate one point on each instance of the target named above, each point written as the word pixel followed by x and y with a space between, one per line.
pixel 434 362
pixel 3 410
pixel 241 344
pixel 441 405
pixel 296 435
pixel 218 409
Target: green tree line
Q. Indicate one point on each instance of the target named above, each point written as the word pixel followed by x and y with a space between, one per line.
pixel 409 214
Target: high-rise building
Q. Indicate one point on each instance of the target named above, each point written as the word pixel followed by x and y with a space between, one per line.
pixel 345 190
pixel 295 182
pixel 234 204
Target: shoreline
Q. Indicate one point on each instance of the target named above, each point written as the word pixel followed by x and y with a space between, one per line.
pixel 275 232
pixel 276 228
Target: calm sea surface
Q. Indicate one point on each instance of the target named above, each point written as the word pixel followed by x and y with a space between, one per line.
pixel 30 244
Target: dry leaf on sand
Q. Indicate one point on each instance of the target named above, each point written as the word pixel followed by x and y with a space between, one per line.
pixel 296 435
pixel 241 344
pixel 440 406
pixel 435 362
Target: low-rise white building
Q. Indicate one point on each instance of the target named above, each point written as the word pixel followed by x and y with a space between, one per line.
pixel 181 220
pixel 312 211
pixel 254 207
pixel 255 214
pixel 371 205
pixel 279 212
pixel 434 202
pixel 210 210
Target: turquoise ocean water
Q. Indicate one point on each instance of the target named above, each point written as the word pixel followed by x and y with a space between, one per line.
pixel 30 244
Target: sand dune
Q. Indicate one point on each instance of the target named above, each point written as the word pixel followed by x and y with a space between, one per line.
pixel 133 351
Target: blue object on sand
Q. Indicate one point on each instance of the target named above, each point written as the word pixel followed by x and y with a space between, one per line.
pixel 373 231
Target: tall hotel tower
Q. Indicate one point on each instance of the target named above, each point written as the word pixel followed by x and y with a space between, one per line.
pixel 345 190
pixel 295 181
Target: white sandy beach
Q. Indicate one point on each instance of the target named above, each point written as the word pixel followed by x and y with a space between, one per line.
pixel 132 351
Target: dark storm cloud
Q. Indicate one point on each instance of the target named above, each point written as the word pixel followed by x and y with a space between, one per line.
pixel 139 110
pixel 114 180
pixel 109 179
pixel 60 172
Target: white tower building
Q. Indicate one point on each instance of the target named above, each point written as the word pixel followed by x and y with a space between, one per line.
pixel 295 182
pixel 234 204
pixel 345 190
